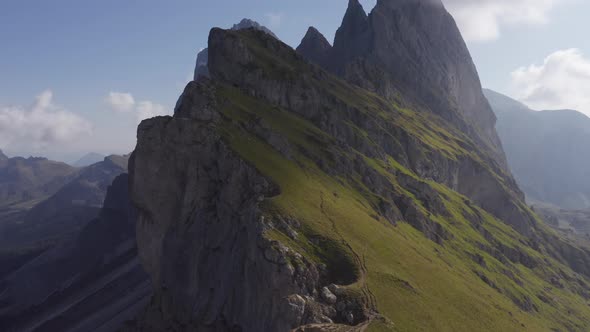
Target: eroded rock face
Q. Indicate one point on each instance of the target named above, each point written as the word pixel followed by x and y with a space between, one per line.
pixel 201 68
pixel 200 232
pixel 414 47
pixel 233 62
pixel 315 47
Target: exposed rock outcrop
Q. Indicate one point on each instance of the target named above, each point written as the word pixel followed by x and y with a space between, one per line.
pixel 414 48
pixel 315 47
pixel 201 68
pixel 209 213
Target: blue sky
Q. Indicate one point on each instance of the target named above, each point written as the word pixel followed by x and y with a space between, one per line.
pixel 74 53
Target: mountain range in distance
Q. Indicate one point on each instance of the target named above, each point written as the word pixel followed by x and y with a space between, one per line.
pixel 547 151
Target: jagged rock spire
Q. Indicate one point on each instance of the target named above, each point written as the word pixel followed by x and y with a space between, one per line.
pixel 352 38
pixel 315 47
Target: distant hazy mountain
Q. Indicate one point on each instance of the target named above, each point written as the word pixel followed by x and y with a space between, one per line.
pixel 29 179
pixel 89 159
pixel 26 232
pixel 90 282
pixel 547 151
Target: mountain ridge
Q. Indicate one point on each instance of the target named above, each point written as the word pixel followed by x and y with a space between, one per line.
pixel 546 152
pixel 324 198
pixel 379 51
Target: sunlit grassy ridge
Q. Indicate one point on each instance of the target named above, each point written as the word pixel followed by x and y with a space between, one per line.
pixel 475 274
pixel 417 284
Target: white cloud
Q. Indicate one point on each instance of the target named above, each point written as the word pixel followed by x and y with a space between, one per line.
pixel 147 109
pixel 125 102
pixel 122 102
pixel 40 125
pixel 274 19
pixel 562 81
pixel 483 20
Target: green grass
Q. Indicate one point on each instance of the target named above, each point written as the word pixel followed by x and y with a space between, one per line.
pixel 418 284
pixel 464 284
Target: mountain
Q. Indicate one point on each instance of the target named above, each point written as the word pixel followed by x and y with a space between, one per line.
pixel 3 157
pixel 70 208
pixel 281 197
pixel 315 47
pixel 249 24
pixel 547 151
pixel 414 49
pixel 89 159
pixel 26 233
pixel 25 180
pixel 90 282
pixel 203 56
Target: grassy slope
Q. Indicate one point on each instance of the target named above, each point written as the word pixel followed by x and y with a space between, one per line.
pixel 414 283
pixel 418 284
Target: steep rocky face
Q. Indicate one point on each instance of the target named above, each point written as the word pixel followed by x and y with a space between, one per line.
pixel 415 49
pixel 3 157
pixel 91 282
pixel 315 47
pixel 547 151
pixel 249 24
pixel 480 183
pixel 279 197
pixel 208 213
pixel 201 68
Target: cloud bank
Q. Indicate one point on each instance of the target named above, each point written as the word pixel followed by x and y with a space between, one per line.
pixel 483 20
pixel 560 82
pixel 40 125
pixel 125 102
pixel 122 102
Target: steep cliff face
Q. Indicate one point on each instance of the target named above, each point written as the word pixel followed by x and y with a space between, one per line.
pixel 280 198
pixel 201 68
pixel 202 238
pixel 315 47
pixel 414 48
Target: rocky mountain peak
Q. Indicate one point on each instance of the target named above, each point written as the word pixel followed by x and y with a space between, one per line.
pixel 248 23
pixel 3 156
pixel 201 68
pixel 352 38
pixel 315 47
pixel 414 48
